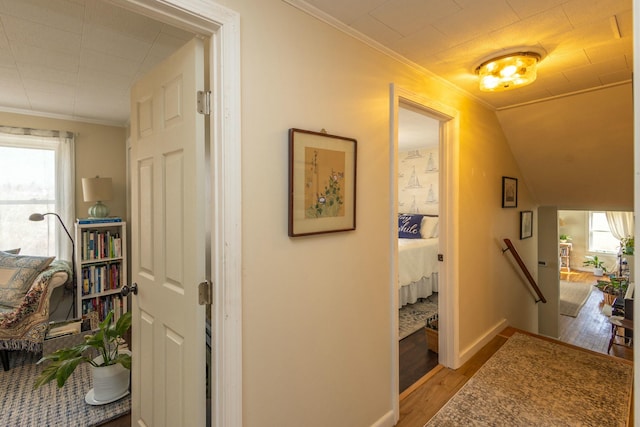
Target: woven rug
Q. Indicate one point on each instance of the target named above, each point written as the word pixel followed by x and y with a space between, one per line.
pixel 533 382
pixel 413 317
pixel 49 405
pixel 573 295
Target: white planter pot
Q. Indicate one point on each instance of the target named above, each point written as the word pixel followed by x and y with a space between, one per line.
pixel 109 382
pixel 598 272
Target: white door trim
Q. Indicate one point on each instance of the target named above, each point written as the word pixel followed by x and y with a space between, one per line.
pixel 449 336
pixel 222 25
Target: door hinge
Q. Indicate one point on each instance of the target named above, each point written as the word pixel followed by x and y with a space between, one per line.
pixel 205 293
pixel 204 102
pixel 440 257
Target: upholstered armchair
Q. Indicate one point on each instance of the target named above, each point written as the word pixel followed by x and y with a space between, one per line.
pixel 26 284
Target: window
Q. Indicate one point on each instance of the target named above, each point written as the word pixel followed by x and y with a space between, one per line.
pixel 35 177
pixel 600 237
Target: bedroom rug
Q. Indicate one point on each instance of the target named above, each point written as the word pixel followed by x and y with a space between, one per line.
pixel 413 317
pixel 49 405
pixel 533 382
pixel 573 295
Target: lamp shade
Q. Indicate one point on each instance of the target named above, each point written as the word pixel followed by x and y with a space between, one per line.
pixel 97 189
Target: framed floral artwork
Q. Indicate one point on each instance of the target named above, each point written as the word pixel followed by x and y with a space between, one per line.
pixel 322 183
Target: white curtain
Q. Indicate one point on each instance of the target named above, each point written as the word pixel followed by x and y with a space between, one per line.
pixel 621 224
pixel 65 191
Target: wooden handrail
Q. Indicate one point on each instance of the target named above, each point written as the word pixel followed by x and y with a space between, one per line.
pixel 524 269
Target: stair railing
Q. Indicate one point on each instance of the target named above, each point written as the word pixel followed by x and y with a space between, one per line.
pixel 524 269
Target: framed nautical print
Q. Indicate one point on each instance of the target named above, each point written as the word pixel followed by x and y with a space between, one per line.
pixel 322 183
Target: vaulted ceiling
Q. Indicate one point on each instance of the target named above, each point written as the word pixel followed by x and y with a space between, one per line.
pixel 78 59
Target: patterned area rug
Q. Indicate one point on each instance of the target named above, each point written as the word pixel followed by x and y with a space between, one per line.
pixel 413 317
pixel 532 382
pixel 573 295
pixel 49 405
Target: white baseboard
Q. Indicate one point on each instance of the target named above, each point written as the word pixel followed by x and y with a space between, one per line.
pixel 468 352
pixel 385 421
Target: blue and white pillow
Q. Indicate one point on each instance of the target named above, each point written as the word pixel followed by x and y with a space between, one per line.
pixel 409 226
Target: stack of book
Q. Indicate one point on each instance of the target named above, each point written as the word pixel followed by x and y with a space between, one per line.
pixel 99 220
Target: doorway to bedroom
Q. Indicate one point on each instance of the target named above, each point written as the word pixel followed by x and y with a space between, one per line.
pixel 418 183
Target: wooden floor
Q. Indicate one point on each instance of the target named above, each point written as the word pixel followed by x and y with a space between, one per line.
pixel 589 330
pixel 415 359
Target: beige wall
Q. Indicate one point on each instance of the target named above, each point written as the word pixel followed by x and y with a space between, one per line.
pixel 317 310
pixel 100 150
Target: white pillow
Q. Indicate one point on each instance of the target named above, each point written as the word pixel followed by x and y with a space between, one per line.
pixel 429 227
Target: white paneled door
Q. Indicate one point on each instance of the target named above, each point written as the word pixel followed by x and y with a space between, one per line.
pixel 168 242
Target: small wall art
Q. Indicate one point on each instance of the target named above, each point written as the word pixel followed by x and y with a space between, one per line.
pixel 509 192
pixel 322 183
pixel 526 224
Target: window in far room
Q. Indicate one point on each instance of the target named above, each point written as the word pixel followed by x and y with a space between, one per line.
pixel 35 176
pixel 600 237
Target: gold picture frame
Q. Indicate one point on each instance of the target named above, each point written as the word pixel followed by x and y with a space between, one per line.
pixel 322 183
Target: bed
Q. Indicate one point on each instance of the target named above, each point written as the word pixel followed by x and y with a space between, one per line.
pixel 417 257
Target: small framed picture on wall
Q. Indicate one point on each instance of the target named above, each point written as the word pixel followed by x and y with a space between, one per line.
pixel 509 192
pixel 526 224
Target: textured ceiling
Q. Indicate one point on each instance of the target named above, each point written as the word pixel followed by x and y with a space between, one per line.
pixel 451 37
pixel 77 58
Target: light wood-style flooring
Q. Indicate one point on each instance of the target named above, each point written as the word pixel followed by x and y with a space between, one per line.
pixel 590 330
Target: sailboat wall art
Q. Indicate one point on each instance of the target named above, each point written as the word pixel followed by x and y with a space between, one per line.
pixel 322 183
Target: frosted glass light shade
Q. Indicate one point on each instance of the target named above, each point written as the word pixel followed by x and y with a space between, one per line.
pixel 508 72
pixel 97 190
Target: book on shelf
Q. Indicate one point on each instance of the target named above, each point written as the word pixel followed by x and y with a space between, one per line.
pixel 99 220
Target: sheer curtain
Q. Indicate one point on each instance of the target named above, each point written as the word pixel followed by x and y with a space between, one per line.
pixel 62 143
pixel 621 224
pixel 65 191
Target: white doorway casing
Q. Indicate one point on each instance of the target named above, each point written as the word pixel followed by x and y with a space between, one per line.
pixel 222 26
pixel 448 337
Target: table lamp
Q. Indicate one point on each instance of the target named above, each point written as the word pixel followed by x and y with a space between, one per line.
pixel 97 190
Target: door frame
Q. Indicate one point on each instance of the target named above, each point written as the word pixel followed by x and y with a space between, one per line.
pixel 448 325
pixel 222 26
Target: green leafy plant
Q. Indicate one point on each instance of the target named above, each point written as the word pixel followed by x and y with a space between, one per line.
pixel 628 245
pixel 65 360
pixel 565 237
pixel 595 262
pixel 614 286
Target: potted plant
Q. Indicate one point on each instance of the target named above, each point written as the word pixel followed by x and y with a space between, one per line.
pixel 110 369
pixel 612 288
pixel 598 266
pixel 627 244
pixel 564 238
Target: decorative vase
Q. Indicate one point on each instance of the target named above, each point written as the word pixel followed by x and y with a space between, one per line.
pixel 110 383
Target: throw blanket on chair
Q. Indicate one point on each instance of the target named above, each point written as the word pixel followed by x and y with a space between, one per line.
pixel 24 327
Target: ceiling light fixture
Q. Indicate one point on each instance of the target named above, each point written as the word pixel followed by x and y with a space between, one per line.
pixel 508 71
